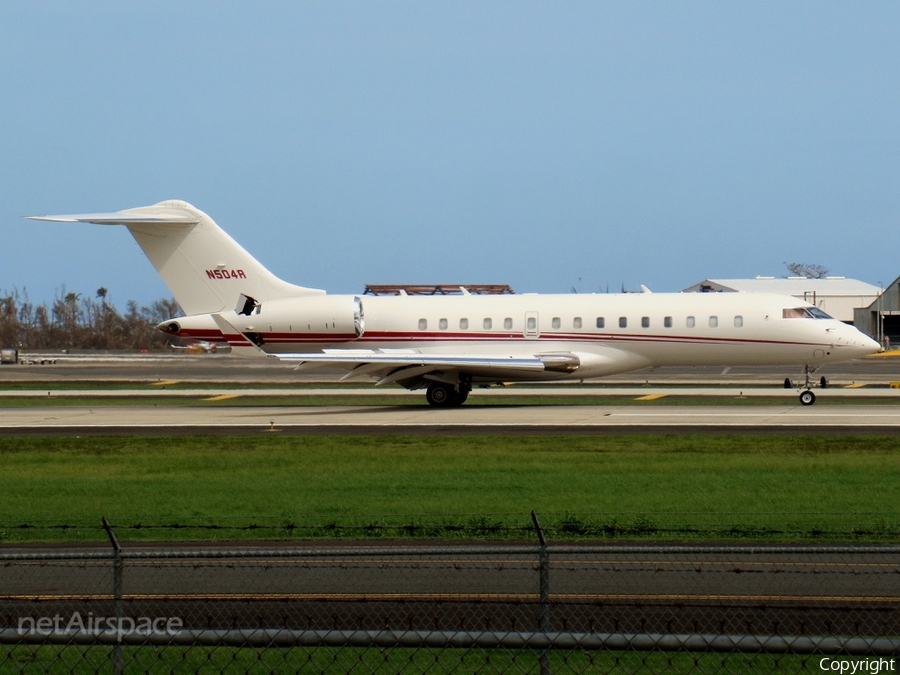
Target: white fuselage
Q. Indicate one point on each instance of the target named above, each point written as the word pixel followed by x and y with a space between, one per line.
pixel 608 333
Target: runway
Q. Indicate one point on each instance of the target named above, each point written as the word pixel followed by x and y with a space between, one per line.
pixel 490 419
pixel 220 394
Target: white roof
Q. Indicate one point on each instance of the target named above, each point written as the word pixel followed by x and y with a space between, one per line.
pixel 833 286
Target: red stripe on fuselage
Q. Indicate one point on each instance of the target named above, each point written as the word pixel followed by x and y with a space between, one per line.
pixel 448 338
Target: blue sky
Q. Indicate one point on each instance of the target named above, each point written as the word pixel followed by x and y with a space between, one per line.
pixel 544 145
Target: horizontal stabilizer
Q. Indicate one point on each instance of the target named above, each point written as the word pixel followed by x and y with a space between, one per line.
pixel 120 218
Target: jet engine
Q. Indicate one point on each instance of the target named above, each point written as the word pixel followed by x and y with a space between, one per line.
pixel 329 316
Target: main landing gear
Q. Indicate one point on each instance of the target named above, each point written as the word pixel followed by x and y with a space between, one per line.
pixel 807 397
pixel 443 395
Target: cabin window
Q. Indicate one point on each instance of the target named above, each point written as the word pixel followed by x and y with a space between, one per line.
pixel 738 322
pixel 423 324
pixel 713 322
pixel 488 324
pixel 667 322
pixel 601 322
pixel 576 322
pixel 623 322
pixel 442 324
pixel 689 322
pixel 507 323
pixel 645 322
pixel 531 324
pixel 464 324
pixel 556 323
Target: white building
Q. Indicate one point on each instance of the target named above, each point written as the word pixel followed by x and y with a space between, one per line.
pixel 838 296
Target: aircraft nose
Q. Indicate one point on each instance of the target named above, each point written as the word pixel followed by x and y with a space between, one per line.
pixel 863 345
pixel 856 343
pixel 871 345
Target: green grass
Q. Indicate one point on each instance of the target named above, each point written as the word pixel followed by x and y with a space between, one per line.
pixel 697 487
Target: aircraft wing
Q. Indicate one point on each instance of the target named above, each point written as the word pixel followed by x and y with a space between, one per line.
pixel 390 366
pixel 404 364
pixel 404 357
pixel 393 366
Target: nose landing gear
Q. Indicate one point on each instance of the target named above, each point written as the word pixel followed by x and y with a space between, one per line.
pixel 807 397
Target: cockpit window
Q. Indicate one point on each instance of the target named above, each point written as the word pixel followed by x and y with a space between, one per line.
pixel 803 313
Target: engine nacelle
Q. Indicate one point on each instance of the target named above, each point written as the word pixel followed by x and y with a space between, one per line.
pixel 331 316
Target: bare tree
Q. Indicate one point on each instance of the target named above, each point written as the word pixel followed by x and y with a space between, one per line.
pixel 808 270
pixel 81 322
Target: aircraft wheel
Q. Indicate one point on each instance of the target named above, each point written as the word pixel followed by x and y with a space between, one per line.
pixel 807 397
pixel 440 395
pixel 788 384
pixel 823 382
pixel 462 396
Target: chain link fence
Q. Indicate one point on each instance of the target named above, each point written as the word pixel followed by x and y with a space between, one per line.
pixel 462 608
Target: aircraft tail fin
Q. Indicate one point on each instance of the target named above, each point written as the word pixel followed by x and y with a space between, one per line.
pixel 205 269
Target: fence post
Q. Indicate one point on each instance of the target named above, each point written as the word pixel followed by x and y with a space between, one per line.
pixel 118 573
pixel 544 572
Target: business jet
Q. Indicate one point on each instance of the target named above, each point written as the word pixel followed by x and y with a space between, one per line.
pixel 449 343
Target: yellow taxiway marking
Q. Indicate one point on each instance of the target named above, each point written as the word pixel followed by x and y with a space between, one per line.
pixel 459 597
pixel 165 383
pixel 856 385
pixel 651 397
pixel 222 397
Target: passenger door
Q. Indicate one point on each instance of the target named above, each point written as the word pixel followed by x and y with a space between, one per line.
pixel 532 325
